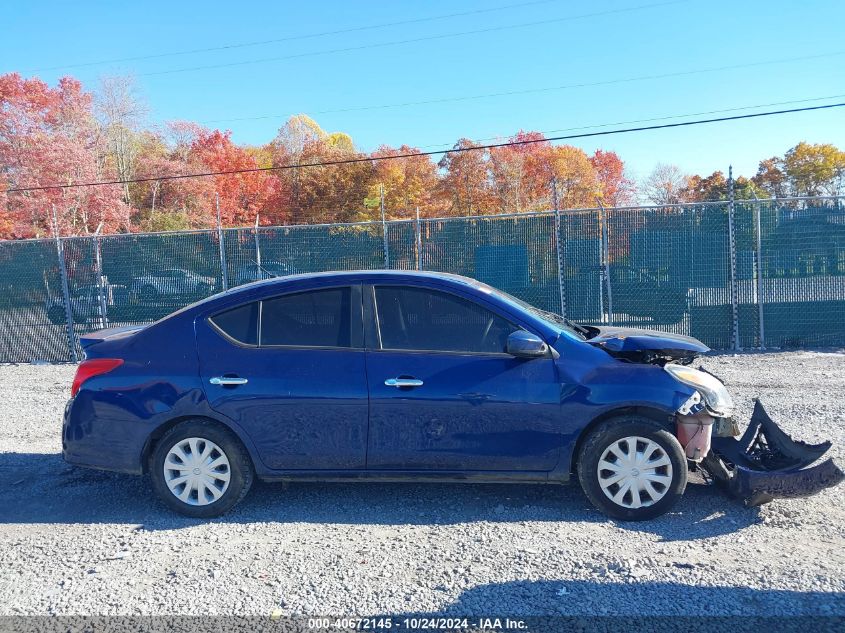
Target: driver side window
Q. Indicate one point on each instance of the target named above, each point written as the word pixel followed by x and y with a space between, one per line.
pixel 422 319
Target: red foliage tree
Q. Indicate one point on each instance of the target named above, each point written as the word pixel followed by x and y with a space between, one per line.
pixel 242 195
pixel 616 189
pixel 48 136
pixel 521 174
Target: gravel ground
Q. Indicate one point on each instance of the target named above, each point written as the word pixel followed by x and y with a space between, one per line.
pixel 84 542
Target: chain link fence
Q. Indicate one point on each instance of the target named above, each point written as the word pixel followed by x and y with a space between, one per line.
pixel 747 274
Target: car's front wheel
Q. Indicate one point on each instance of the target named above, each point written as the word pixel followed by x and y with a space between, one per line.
pixel 632 468
pixel 200 469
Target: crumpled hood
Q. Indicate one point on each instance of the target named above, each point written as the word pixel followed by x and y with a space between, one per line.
pixel 648 346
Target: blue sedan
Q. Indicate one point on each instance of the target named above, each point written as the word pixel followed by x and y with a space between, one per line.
pixel 394 375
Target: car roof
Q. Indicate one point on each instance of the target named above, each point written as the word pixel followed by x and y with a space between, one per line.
pixel 373 274
pixel 358 275
pixel 305 280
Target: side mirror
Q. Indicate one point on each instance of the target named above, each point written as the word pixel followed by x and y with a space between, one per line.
pixel 524 344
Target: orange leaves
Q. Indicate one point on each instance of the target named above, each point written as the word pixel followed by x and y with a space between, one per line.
pixel 615 189
pixel 408 183
pixel 60 135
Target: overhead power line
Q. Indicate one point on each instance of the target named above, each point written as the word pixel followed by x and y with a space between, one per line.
pixel 509 93
pixel 661 118
pixel 363 159
pixel 427 38
pixel 292 38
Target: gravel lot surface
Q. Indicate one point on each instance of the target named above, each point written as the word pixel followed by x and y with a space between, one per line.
pixel 84 542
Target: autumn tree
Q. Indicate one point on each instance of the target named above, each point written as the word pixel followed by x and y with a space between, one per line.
pixel 242 195
pixel 520 173
pixel 577 181
pixel 716 187
pixel 49 136
pixel 665 184
pixel 814 170
pixel 299 134
pixel 171 204
pixel 332 192
pixel 770 177
pixel 465 184
pixel 408 183
pixel 120 113
pixel 616 189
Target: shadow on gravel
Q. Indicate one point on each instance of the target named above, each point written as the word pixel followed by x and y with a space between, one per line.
pixel 41 488
pixel 639 605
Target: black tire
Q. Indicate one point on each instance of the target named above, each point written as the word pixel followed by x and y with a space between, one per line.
pixel 606 435
pixel 203 289
pixel 148 293
pixel 240 468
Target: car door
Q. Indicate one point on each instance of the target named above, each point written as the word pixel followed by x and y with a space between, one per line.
pixel 289 370
pixel 444 395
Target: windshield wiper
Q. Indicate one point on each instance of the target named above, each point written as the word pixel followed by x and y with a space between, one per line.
pixel 552 316
pixel 578 328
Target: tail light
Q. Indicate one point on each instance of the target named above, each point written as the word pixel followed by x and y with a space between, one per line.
pixel 90 368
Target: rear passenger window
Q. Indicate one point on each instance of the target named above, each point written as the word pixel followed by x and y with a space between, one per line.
pixel 240 323
pixel 319 318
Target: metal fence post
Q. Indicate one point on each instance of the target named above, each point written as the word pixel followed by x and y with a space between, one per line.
pixel 605 256
pixel 559 249
pixel 419 241
pixel 758 229
pixel 224 271
pixel 60 251
pixel 257 247
pixel 732 249
pixel 384 228
pixel 101 279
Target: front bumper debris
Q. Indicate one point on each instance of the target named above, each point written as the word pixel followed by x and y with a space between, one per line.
pixel 765 463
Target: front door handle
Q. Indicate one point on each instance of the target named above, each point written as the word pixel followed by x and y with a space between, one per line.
pixel 403 382
pixel 227 380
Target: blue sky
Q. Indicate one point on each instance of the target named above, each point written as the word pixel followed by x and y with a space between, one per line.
pixel 555 48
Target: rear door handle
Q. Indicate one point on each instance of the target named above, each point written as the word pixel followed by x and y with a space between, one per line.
pixel 403 382
pixel 227 380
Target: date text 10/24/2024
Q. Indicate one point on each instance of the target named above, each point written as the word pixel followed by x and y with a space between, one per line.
pixel 417 623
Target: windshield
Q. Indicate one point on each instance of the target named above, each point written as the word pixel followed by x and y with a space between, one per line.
pixel 549 317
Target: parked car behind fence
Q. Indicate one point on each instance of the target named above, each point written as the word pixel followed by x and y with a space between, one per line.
pixel 173 282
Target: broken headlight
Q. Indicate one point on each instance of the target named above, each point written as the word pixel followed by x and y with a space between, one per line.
pixel 716 397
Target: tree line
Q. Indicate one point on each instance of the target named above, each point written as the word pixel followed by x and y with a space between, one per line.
pixel 66 134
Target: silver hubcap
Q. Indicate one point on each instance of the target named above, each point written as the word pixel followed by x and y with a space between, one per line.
pixel 197 471
pixel 635 472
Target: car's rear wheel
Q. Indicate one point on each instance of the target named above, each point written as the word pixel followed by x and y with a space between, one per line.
pixel 632 468
pixel 200 469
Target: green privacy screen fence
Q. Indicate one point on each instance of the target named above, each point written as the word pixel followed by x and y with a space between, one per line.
pixel 752 274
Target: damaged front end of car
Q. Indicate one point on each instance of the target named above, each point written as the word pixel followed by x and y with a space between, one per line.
pixel 765 463
pixel 761 465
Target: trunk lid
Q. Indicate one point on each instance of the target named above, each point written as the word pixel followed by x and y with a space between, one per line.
pixel 109 334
